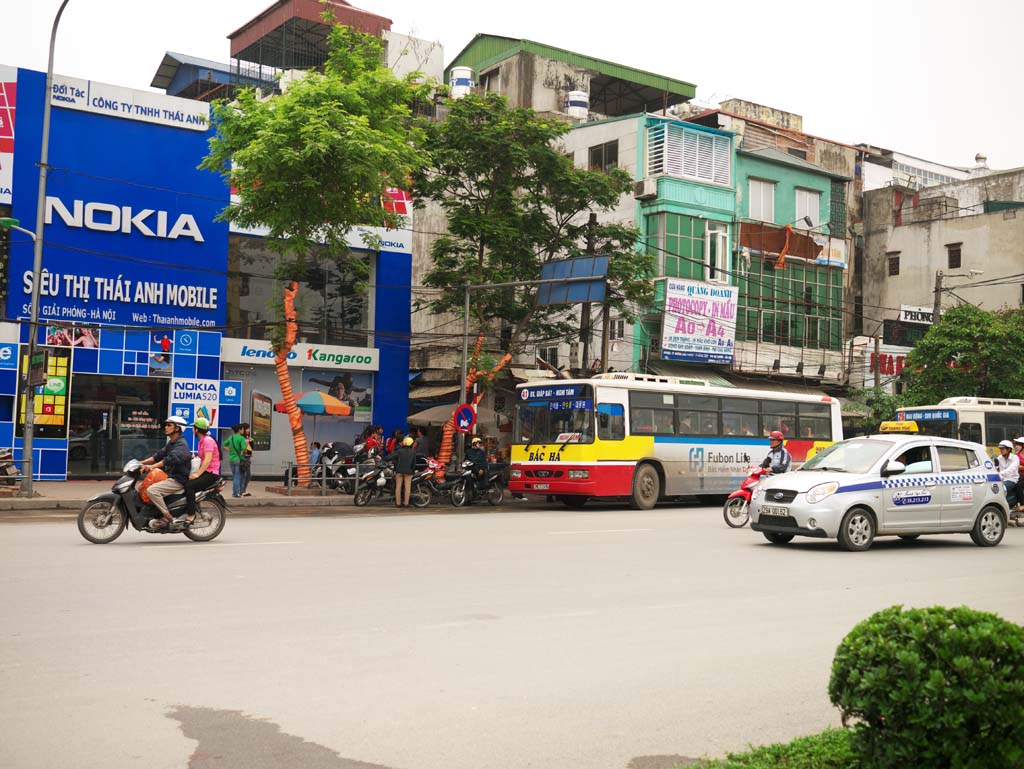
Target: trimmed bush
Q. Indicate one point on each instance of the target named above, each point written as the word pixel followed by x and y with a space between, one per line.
pixel 832 749
pixel 933 688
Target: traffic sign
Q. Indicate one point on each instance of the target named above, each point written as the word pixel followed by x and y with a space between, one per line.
pixel 465 418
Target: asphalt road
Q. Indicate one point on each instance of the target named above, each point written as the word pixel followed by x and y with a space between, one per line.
pixel 555 639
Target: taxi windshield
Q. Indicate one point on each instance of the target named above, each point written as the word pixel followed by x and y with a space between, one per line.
pixel 857 455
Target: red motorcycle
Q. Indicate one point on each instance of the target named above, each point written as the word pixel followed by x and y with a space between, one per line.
pixel 737 507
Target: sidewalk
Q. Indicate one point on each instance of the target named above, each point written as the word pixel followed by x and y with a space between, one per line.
pixel 70 495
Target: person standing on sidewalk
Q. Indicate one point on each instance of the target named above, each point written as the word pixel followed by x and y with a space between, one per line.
pixel 405 462
pixel 235 444
pixel 246 464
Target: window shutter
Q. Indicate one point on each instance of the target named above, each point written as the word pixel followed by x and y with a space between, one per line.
pixel 723 158
pixel 690 152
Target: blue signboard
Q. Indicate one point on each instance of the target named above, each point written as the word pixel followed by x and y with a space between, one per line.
pixel 548 392
pixel 928 415
pixel 130 237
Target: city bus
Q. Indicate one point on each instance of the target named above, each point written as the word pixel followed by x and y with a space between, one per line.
pixel 645 437
pixel 981 420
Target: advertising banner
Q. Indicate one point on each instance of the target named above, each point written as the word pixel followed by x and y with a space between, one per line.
pixel 192 398
pixel 130 230
pixel 8 99
pixel 262 409
pixel 325 356
pixel 51 398
pixel 700 322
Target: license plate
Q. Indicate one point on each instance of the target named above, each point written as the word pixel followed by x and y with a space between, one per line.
pixel 541 486
pixel 774 510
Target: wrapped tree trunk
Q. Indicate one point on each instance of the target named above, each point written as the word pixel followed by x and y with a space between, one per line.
pixel 285 381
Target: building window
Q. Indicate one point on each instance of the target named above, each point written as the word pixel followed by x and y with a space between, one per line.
pixel 676 242
pixel 673 150
pixel 548 354
pixel 604 157
pixel 762 200
pixel 617 329
pixel 802 154
pixel 894 262
pixel 717 257
pixel 837 210
pixel 800 306
pixel 808 203
pixel 953 255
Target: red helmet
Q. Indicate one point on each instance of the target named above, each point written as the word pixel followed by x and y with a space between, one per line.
pixel 775 435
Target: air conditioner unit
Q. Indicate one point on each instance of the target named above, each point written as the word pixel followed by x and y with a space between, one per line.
pixel 646 189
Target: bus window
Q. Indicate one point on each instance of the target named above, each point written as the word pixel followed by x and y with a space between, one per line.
pixel 1002 426
pixel 970 431
pixel 778 415
pixel 814 422
pixel 697 415
pixel 651 413
pixel 611 421
pixel 739 417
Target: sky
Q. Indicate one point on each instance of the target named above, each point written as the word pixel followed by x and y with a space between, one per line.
pixel 938 79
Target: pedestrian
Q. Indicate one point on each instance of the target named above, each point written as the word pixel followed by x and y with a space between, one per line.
pixel 235 445
pixel 405 462
pixel 394 442
pixel 246 463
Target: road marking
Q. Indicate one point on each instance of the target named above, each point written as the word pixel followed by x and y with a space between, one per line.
pixel 599 531
pixel 240 544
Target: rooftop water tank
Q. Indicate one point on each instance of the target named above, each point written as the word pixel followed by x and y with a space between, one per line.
pixel 461 81
pixel 578 105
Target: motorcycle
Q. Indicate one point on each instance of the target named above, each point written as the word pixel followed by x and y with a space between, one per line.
pixel 737 507
pixel 426 484
pixel 376 480
pixel 467 488
pixel 105 516
pixel 8 470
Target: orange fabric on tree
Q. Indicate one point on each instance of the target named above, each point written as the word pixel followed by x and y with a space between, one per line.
pixel 285 382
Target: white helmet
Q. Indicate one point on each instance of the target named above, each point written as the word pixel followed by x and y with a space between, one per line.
pixel 176 420
pixel 1019 440
pixel 1006 445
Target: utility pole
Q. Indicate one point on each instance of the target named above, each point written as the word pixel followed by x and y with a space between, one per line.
pixel 605 334
pixel 937 306
pixel 878 361
pixel 585 313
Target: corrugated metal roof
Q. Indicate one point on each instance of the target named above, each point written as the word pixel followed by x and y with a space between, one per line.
pixel 422 393
pixel 485 50
pixel 778 156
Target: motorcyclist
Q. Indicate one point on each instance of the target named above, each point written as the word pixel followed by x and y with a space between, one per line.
pixel 778 459
pixel 175 459
pixel 476 455
pixel 207 474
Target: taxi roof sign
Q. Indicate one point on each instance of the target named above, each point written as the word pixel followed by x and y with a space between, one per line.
pixel 903 426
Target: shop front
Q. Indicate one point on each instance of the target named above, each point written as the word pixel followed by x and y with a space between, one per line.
pixel 337 384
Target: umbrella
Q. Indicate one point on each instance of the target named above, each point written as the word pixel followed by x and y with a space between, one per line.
pixel 315 402
pixel 438 415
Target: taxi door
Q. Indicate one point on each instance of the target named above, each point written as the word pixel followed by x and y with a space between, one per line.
pixel 962 484
pixel 911 499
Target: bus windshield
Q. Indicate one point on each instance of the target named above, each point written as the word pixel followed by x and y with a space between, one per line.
pixel 567 417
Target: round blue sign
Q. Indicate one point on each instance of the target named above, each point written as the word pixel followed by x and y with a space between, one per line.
pixel 465 418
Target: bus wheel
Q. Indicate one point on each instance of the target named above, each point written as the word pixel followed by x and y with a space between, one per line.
pixel 573 501
pixel 646 488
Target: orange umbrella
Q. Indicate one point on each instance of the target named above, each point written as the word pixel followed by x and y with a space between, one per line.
pixel 315 402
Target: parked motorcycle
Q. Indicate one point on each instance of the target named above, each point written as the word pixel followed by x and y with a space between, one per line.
pixel 467 488
pixel 427 484
pixel 105 516
pixel 376 480
pixel 737 507
pixel 8 470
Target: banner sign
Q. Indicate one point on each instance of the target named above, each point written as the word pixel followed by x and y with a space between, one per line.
pixel 193 398
pixel 117 101
pixel 700 322
pixel 326 356
pixel 911 314
pixel 8 99
pixel 130 230
pixel 50 403
pixel 927 416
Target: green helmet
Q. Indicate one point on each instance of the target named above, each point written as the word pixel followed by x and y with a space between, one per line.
pixel 201 424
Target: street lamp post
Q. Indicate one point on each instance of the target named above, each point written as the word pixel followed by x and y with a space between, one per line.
pixel 37 261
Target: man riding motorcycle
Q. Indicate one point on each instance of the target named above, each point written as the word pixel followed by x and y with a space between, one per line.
pixel 778 459
pixel 175 458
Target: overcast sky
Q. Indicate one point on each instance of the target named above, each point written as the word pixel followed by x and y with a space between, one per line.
pixel 940 79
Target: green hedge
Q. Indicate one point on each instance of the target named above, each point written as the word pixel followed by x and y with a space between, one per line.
pixel 832 749
pixel 933 688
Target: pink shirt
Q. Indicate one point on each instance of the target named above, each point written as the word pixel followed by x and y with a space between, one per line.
pixel 209 446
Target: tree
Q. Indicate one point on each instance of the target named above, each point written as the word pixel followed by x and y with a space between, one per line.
pixel 879 405
pixel 311 164
pixel 970 351
pixel 513 201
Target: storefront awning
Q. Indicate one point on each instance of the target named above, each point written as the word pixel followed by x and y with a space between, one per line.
pixel 769 239
pixel 529 374
pixel 689 371
pixel 422 393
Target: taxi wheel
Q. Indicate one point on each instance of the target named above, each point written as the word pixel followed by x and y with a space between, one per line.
pixel 857 531
pixel 909 537
pixel 777 537
pixel 989 528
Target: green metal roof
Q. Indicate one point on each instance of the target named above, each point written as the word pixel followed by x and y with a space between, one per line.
pixel 777 156
pixel 486 50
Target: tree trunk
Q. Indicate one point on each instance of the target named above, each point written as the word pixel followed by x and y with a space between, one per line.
pixel 285 381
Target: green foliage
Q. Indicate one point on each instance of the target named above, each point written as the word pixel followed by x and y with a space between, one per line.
pixel 513 201
pixel 879 404
pixel 311 163
pixel 986 350
pixel 832 749
pixel 938 688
